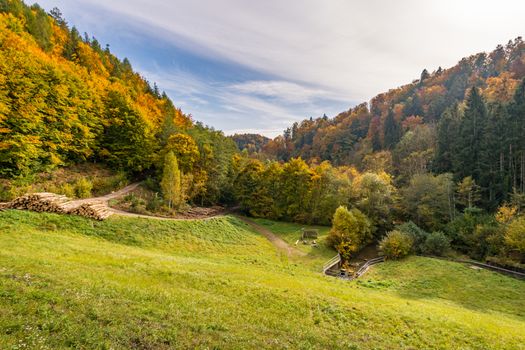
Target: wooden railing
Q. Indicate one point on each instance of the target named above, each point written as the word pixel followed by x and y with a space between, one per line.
pixel 502 270
pixel 367 264
pixel 331 263
pixel 364 268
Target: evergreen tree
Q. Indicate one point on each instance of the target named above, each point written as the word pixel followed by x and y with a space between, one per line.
pixel 391 130
pixel 470 141
pixel 517 139
pixel 494 179
pixel 424 76
pixel 447 138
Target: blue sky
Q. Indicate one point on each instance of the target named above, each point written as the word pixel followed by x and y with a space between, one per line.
pixel 258 66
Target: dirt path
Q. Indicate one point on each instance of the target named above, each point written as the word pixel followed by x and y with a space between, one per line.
pixel 104 199
pixel 276 241
pixel 144 216
pixel 122 192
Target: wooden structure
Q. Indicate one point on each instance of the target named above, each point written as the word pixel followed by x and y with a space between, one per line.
pixel 309 234
pixel 332 266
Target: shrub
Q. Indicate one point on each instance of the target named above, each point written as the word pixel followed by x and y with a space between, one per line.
pixel 83 188
pixel 68 190
pixel 154 204
pixel 105 184
pixel 515 235
pixel 437 243
pixel 396 244
pixel 419 236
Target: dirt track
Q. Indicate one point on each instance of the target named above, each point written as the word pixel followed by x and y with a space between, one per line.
pixel 276 241
pixel 107 197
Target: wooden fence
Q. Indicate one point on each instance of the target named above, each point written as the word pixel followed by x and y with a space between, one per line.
pixel 336 260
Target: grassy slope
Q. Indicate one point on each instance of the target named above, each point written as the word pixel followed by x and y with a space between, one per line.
pixel 291 233
pixel 137 283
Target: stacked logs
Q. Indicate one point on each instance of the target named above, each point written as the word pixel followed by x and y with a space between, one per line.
pixel 97 211
pixel 40 202
pixel 55 203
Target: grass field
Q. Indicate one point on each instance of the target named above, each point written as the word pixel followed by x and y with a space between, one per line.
pixel 291 233
pixel 67 282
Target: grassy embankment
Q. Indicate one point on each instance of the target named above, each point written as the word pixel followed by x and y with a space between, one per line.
pixel 67 282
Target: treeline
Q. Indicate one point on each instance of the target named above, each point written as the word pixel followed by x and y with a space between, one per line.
pixel 368 206
pixel 292 191
pixel 66 100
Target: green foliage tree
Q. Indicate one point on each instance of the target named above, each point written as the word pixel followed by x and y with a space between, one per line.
pixel 468 192
pixel 414 152
pixel 127 140
pixel 351 230
pixel 471 128
pixel 428 200
pixel 375 196
pixel 171 183
pixel 447 136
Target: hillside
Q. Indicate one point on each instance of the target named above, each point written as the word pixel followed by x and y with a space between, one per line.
pixel 426 126
pixel 67 282
pixel 66 101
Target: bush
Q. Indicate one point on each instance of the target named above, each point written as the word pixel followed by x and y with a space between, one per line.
pixel 67 189
pixel 419 236
pixel 154 204
pixel 396 244
pixel 515 235
pixel 437 243
pixel 83 188
pixel 105 184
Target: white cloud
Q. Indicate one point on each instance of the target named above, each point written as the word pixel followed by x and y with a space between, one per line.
pixel 235 105
pixel 283 90
pixel 355 48
pixel 311 50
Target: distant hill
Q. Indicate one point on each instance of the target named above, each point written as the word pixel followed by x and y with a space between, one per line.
pixel 252 143
pixel 405 127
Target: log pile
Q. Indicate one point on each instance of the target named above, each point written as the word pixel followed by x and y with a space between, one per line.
pixel 40 202
pixel 201 212
pixel 97 211
pixel 55 203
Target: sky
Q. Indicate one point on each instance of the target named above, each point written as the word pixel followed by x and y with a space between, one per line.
pixel 248 66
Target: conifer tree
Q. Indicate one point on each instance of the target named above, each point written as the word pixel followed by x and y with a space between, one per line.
pixel 446 140
pixel 471 133
pixel 392 131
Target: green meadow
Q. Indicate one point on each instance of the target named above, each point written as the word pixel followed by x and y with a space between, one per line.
pixel 128 283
